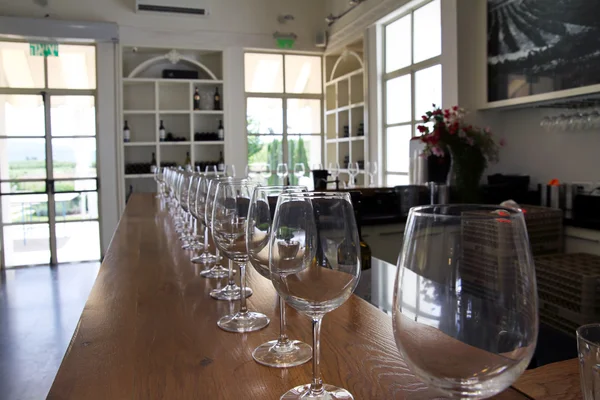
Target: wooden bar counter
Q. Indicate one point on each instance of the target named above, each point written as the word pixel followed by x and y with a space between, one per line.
pixel 149 331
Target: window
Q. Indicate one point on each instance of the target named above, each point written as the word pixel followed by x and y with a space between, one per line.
pixel 284 105
pixel 412 82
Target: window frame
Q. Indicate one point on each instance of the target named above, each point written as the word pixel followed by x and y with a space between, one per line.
pixel 410 70
pixel 284 97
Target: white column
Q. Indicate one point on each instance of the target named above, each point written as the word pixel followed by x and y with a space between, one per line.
pixel 234 104
pixel 107 145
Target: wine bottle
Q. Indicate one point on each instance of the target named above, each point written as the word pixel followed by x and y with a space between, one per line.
pixel 221 164
pixel 153 162
pixel 126 133
pixel 217 102
pixel 161 131
pixel 188 160
pixel 221 131
pixel 196 99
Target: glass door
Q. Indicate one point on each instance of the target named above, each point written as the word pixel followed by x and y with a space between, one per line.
pixel 48 175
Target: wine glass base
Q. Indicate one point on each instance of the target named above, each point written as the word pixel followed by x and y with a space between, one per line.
pixel 330 392
pixel 204 258
pixel 216 272
pixel 292 354
pixel 229 293
pixel 243 322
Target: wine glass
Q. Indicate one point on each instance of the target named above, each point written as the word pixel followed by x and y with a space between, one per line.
pixel 465 313
pixel 229 216
pixel 353 172
pixel 299 171
pixel 282 172
pixel 194 243
pixel 211 170
pixel 315 266
pixel 283 352
pixel 206 258
pixel 228 170
pixel 265 171
pixel 371 170
pixel 334 170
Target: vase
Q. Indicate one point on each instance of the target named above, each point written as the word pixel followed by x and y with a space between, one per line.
pixel 467 164
pixel 438 168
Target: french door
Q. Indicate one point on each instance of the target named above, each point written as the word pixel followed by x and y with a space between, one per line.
pixel 48 173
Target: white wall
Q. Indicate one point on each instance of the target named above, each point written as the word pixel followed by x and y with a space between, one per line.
pixel 544 155
pixel 246 23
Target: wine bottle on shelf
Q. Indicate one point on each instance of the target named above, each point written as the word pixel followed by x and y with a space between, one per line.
pixel 162 134
pixel 217 102
pixel 221 164
pixel 221 131
pixel 126 133
pixel 188 160
pixel 196 99
pixel 153 164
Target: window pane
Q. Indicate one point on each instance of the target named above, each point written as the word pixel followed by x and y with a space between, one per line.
pixel 74 158
pixel 428 32
pixel 264 72
pixel 397 44
pixel 77 241
pixel 25 208
pixel 18 69
pixel 305 150
pixel 16 187
pixel 396 180
pixel 23 115
pixel 74 68
pixel 303 74
pixel 74 185
pixel 304 116
pixel 398 100
pixel 397 148
pixel 73 116
pixel 74 206
pixel 264 115
pixel 428 89
pixel 22 158
pixel 265 149
pixel 26 244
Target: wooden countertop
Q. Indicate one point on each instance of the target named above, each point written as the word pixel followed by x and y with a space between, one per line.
pixel 148 331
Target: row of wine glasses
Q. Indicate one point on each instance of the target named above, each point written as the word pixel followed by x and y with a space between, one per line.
pixel 254 171
pixel 576 121
pixel 465 316
pixel 370 170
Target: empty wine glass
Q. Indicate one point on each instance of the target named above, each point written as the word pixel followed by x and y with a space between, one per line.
pixel 299 171
pixel 265 171
pixel 371 170
pixel 317 166
pixel 282 172
pixel 228 170
pixel 353 171
pixel 230 213
pixel 211 170
pixel 465 313
pixel 334 170
pixel 283 352
pixel 315 266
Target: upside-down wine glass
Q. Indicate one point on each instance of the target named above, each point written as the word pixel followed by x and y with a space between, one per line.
pixel 230 213
pixel 315 266
pixel 283 352
pixel 465 313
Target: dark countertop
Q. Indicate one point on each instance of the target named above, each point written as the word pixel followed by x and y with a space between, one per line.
pixel 376 286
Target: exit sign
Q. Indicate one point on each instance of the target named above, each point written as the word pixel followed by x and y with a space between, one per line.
pixel 43 49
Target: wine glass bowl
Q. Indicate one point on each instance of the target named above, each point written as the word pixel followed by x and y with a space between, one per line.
pixel 283 352
pixel 465 299
pixel 315 266
pixel 282 172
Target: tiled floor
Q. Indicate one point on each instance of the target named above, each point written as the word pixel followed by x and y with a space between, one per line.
pixel 39 310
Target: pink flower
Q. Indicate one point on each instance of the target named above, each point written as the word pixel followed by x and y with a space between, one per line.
pixel 488 130
pixel 502 142
pixel 470 141
pixel 462 134
pixel 437 151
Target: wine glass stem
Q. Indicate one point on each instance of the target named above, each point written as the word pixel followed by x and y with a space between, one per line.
pixel 316 387
pixel 231 281
pixel 283 339
pixel 243 308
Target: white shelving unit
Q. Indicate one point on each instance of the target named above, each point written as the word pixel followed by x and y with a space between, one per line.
pixel 147 99
pixel 345 106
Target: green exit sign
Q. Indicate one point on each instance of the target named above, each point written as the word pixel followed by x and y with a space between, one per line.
pixel 43 49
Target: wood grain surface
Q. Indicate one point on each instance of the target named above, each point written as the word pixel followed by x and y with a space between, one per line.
pixel 148 331
pixel 556 381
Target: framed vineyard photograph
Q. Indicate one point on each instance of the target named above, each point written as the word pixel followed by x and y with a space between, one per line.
pixel 541 46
